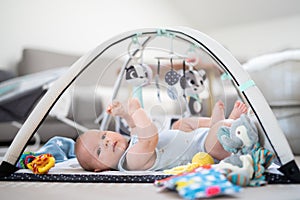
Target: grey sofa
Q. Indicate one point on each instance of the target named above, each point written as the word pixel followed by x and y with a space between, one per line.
pixel 32 61
pixel 279 84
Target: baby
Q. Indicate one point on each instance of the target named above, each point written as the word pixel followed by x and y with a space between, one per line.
pixel 147 149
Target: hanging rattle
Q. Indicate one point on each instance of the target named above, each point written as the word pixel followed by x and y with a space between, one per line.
pixel 171 78
pixel 137 74
pixel 157 80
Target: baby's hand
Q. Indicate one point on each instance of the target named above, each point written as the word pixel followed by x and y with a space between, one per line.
pixel 116 109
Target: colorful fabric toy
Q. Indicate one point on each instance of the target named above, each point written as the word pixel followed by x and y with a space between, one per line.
pixel 201 183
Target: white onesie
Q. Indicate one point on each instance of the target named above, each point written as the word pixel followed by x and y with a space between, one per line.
pixel 174 148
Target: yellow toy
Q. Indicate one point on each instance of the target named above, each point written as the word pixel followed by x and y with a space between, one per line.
pixel 42 164
pixel 199 159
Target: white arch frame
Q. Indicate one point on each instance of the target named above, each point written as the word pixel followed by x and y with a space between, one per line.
pixel 239 76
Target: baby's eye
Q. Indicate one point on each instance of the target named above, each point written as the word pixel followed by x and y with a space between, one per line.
pixel 103 136
pixel 98 151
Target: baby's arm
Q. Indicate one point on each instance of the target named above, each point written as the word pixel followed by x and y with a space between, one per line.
pixel 142 156
pixel 117 109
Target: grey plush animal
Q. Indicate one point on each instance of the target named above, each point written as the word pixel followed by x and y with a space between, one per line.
pixel 240 138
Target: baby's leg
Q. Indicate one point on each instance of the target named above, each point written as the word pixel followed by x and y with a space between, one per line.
pixel 212 144
pixel 217 113
pixel 238 109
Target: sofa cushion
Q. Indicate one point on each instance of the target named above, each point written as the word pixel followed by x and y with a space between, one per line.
pixel 35 60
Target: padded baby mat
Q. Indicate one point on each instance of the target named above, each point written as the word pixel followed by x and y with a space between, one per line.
pixel 81 178
pixel 271 178
pixel 70 171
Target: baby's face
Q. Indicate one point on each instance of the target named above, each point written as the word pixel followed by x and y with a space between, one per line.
pixel 106 148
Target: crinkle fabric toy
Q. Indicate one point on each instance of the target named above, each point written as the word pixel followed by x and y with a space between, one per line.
pixel 203 182
pixel 262 159
pixel 199 159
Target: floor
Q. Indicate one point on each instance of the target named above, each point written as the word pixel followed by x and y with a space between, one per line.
pixel 49 191
pixel 30 190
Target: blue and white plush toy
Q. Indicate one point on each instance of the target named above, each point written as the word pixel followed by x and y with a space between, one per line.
pixel 241 137
pixel 245 167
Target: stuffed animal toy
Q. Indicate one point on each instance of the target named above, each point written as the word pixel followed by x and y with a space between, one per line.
pixel 241 137
pixel 249 160
pixel 238 139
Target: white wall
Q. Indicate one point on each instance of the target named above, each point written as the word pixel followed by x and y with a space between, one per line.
pixel 76 26
pixel 250 40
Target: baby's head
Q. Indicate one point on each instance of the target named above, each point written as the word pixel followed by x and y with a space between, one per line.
pixel 100 150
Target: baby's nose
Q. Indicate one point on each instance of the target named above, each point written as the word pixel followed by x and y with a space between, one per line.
pixel 107 142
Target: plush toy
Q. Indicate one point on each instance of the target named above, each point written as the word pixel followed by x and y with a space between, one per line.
pixel 241 137
pixel 248 161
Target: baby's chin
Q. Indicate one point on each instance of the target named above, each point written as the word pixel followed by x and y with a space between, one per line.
pixel 122 146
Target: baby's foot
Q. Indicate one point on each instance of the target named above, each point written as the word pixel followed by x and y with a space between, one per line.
pixel 238 109
pixel 217 113
pixel 116 109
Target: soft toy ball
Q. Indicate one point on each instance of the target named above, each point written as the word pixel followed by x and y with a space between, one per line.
pixel 202 158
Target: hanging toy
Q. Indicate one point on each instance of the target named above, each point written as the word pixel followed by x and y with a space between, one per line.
pixel 157 80
pixel 138 74
pixel 195 104
pixel 171 78
pixel 192 81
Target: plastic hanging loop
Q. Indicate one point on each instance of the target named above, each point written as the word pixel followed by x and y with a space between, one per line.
pixel 192 57
pixel 135 46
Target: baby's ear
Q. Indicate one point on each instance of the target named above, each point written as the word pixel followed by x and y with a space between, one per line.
pixel 97 170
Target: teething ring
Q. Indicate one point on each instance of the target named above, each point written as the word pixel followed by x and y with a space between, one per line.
pixel 42 164
pixel 29 159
